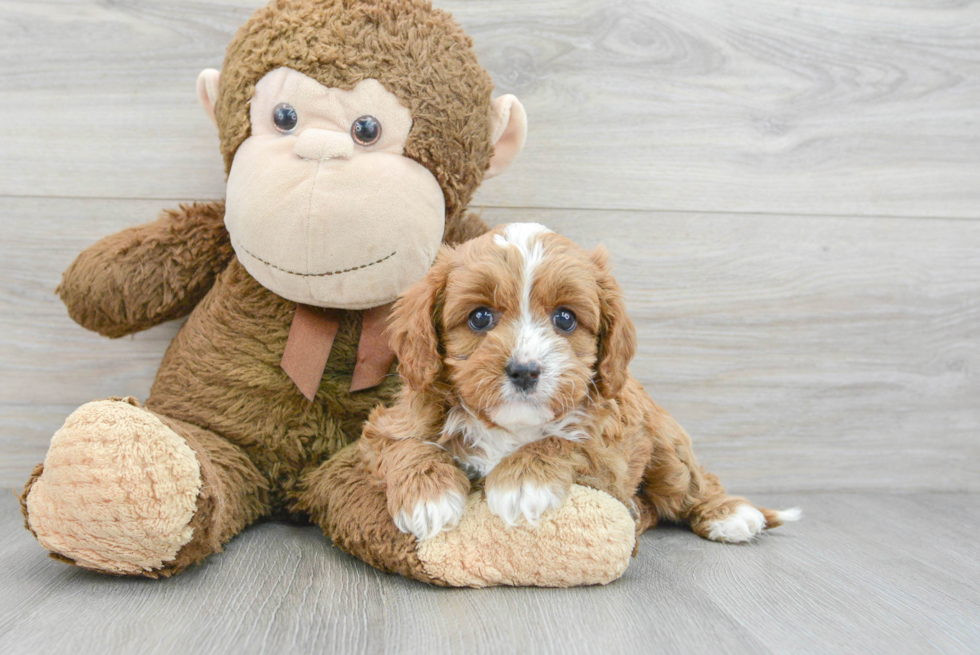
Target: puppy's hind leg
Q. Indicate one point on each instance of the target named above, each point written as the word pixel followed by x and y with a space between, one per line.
pixel 676 488
pixel 732 519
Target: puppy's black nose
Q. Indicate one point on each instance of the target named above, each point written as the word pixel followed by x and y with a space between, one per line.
pixel 523 376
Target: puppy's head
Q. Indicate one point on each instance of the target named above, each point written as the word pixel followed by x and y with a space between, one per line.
pixel 520 323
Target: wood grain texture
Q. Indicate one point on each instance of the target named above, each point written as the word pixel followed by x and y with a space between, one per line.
pixel 861 573
pixel 825 107
pixel 735 157
pixel 801 353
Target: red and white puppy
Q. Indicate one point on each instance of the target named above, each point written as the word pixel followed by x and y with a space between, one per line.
pixel 514 351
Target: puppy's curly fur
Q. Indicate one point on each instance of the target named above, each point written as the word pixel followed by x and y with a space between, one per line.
pixel 465 415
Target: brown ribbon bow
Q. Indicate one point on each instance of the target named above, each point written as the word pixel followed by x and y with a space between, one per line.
pixel 311 337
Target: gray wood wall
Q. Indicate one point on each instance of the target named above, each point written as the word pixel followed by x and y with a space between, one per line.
pixel 791 192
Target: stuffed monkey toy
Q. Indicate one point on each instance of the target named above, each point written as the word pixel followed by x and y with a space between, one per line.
pixel 354 134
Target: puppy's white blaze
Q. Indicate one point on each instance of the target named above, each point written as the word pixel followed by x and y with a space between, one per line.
pixel 520 235
pixel 741 525
pixel 536 339
pixel 428 518
pixel 529 501
pixel 523 236
pixel 538 342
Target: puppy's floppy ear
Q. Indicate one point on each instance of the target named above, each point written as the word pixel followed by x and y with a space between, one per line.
pixel 413 327
pixel 617 334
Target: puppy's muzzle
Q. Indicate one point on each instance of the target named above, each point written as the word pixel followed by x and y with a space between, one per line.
pixel 524 376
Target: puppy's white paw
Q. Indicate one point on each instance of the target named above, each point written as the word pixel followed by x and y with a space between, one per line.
pixel 430 517
pixel 740 526
pixel 529 500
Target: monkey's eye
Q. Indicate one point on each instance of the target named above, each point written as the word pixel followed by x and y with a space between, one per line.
pixel 366 130
pixel 564 319
pixel 481 319
pixel 285 117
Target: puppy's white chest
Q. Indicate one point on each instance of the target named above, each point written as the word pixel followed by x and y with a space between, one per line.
pixel 487 446
pixel 491 446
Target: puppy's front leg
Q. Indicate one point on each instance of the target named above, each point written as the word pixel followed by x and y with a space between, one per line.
pixel 532 480
pixel 426 492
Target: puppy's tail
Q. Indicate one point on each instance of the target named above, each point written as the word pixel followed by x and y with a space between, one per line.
pixel 775 518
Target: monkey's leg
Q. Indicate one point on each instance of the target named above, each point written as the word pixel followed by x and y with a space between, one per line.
pixel 349 504
pixel 588 540
pixel 126 491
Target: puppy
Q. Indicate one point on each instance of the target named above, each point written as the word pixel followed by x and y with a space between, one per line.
pixel 514 351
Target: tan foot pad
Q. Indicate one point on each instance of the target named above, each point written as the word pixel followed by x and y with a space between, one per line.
pixel 588 540
pixel 118 490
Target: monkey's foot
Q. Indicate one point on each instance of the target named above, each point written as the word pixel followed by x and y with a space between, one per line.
pixel 587 540
pixel 117 490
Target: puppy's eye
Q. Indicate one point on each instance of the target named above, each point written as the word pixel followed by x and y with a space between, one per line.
pixel 481 319
pixel 564 319
pixel 366 130
pixel 285 117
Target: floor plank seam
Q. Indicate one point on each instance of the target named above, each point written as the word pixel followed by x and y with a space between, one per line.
pixel 476 207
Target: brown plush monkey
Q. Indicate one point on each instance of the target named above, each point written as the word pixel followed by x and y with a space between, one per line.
pixel 354 134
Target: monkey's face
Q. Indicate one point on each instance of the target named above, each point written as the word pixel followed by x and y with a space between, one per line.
pixel 322 206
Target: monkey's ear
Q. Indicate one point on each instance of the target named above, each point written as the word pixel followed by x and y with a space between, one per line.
pixel 509 131
pixel 207 91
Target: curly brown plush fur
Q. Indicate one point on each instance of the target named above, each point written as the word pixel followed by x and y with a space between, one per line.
pixel 220 387
pixel 159 271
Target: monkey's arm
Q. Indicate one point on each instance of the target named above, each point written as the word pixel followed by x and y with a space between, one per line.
pixel 150 273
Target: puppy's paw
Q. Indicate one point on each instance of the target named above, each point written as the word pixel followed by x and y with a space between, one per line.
pixel 738 527
pixel 429 517
pixel 529 500
pixel 427 496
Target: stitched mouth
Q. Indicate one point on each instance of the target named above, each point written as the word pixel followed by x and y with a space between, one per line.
pixel 325 274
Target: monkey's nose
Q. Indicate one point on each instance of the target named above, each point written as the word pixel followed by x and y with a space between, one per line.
pixel 317 144
pixel 524 376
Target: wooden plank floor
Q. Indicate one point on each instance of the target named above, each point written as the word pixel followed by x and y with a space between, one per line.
pixel 791 193
pixel 864 573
